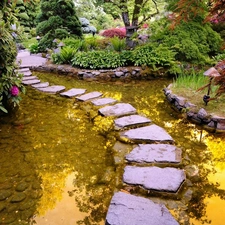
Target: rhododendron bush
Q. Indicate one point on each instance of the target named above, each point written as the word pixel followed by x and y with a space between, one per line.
pixel 10 81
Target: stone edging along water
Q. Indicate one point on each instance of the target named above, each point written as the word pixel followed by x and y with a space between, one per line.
pixel 211 123
pixel 152 165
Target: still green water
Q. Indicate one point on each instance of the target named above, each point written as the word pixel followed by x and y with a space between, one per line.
pixel 57 166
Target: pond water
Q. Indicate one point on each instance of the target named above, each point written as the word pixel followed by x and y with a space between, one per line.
pixel 57 166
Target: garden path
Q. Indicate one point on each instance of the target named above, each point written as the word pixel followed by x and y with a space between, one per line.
pixel 153 145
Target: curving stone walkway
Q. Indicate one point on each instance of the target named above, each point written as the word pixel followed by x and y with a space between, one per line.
pixel 154 145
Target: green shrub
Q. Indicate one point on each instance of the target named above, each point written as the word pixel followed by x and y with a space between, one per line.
pixel 10 82
pixel 193 42
pixel 154 56
pixel 98 60
pixel 118 44
pixel 61 33
pixel 33 48
pixel 57 19
pixel 65 55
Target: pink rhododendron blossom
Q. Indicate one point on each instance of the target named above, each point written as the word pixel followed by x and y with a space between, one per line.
pixel 14 91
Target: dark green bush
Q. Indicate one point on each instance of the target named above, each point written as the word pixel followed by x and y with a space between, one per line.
pixel 57 20
pixel 193 42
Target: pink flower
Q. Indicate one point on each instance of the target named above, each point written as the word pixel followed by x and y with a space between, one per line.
pixel 14 91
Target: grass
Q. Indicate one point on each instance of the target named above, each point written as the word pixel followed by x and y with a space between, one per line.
pixel 186 85
pixel 28 42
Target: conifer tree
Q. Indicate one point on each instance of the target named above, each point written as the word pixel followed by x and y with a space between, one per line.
pixel 57 20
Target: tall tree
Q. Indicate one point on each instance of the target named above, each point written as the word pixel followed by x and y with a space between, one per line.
pixel 57 19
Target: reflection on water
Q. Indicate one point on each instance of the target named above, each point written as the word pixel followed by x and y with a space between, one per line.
pixel 56 162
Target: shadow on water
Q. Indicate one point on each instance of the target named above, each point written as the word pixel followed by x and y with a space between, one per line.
pixel 56 151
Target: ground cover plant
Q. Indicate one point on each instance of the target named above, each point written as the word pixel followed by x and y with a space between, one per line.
pixel 187 85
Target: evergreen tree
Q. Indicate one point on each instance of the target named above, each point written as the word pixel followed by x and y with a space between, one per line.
pixel 57 20
pixel 27 13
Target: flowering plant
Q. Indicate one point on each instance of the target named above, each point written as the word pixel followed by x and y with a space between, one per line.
pixel 10 82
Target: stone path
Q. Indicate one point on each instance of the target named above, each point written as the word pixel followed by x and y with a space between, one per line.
pixel 152 145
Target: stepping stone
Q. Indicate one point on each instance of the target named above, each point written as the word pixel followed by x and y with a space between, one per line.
pixel 149 133
pixel 103 101
pixel 22 70
pixel 131 120
pixel 30 82
pixel 154 178
pixel 89 96
pixel 52 89
pixel 40 85
pixel 151 153
pixel 127 209
pixel 27 73
pixel 120 109
pixel 29 78
pixel 73 92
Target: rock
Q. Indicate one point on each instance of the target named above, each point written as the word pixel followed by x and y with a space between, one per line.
pixel 150 153
pixel 89 96
pixel 52 89
pixel 192 171
pixel 202 114
pixel 131 120
pixel 119 74
pixel 180 100
pixel 103 101
pixel 29 78
pixel 148 134
pixel 120 109
pixel 22 186
pixel 26 73
pixel 4 194
pixel 73 92
pixel 18 197
pixel 41 85
pixel 127 209
pixel 154 178
pixel 22 70
pixel 30 82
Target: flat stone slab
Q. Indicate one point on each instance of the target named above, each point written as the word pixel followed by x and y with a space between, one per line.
pixel 52 89
pixel 89 96
pixel 151 153
pixel 73 92
pixel 26 73
pixel 30 82
pixel 154 178
pixel 40 85
pixel 120 109
pixel 103 101
pixel 149 133
pixel 131 120
pixel 29 78
pixel 22 70
pixel 127 209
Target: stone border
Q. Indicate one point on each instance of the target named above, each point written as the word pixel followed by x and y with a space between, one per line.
pixel 121 73
pixel 209 122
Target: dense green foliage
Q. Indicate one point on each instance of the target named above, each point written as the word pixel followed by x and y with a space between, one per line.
pixel 26 13
pixel 57 20
pixel 100 59
pixel 154 56
pixel 193 42
pixel 8 78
